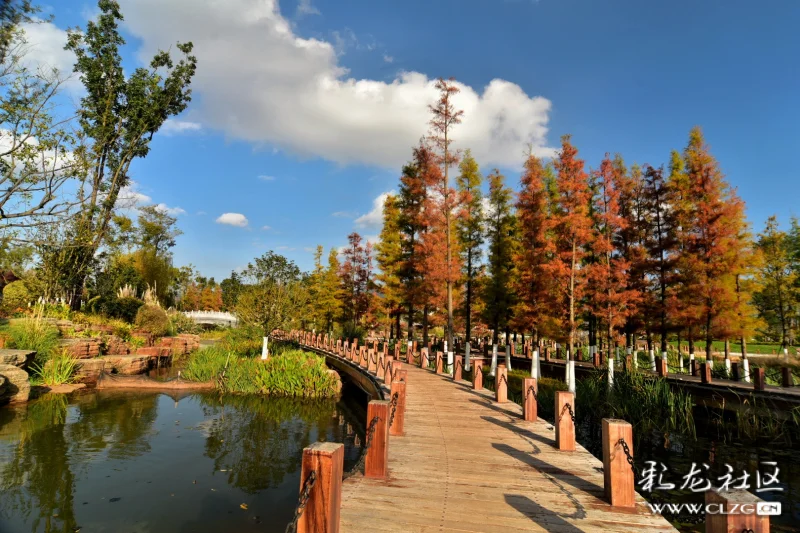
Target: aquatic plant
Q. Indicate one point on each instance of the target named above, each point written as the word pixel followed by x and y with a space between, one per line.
pixel 60 369
pixel 290 373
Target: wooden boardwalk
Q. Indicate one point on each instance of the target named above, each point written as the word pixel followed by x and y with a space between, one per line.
pixel 467 463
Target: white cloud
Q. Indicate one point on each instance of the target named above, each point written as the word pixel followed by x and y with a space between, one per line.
pixel 387 58
pixel 45 50
pixel 176 127
pixel 292 93
pixel 130 197
pixel 374 219
pixel 266 178
pixel 304 7
pixel 233 219
pixel 171 211
pixel 344 214
pixel 201 213
pixel 265 228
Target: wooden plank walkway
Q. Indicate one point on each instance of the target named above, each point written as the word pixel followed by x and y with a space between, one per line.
pixel 467 463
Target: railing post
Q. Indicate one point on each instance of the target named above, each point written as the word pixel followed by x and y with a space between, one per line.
pixel 457 368
pixel 565 427
pixel 724 520
pixel 439 362
pixel 423 360
pixel 372 361
pixel 321 514
pixel 736 375
pixel 501 384
pixel 376 463
pixel 759 380
pixel 661 365
pixel 619 483
pixel 477 377
pixel 380 370
pixel 529 403
pixel 705 372
pixel 399 380
pixel 787 379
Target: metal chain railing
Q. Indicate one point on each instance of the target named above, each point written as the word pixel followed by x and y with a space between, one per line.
pixel 532 390
pixel 373 424
pixel 504 379
pixel 627 451
pixel 305 494
pixel 567 407
pixel 393 405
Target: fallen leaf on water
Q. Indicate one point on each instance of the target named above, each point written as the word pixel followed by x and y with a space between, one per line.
pixel 244 506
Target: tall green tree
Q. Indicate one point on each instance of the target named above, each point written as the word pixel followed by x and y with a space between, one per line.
pixel 389 256
pixel 330 301
pixel 778 297
pixel 470 231
pixel 501 226
pixel 118 117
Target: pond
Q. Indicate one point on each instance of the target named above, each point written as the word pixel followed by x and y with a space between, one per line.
pixel 108 461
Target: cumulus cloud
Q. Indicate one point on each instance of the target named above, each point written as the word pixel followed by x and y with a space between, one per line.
pixel 344 214
pixel 171 211
pixel 304 7
pixel 233 219
pixel 45 50
pixel 176 127
pixel 374 219
pixel 292 93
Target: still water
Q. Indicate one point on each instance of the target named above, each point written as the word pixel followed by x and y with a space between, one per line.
pixel 144 462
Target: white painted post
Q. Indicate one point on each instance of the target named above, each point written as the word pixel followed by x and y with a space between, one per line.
pixel 680 361
pixel 466 356
pixel 494 360
pixel 786 354
pixel 508 357
pixel 451 368
pixel 610 372
pixel 535 364
pixel 653 360
pixel 566 369
pixel 538 365
pixel 265 349
pixel 728 366
pixel 572 376
pixel 746 364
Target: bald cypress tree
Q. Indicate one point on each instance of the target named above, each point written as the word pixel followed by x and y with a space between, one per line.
pixel 470 231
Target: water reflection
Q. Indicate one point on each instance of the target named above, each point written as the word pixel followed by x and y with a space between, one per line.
pixel 160 463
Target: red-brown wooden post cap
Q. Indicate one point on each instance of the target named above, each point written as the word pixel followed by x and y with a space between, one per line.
pixel 720 517
pixel 565 426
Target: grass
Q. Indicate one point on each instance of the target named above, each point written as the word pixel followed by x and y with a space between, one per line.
pixel 287 372
pixel 59 370
pixel 33 333
pixel 752 348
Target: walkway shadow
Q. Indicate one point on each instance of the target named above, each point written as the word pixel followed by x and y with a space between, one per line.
pixel 547 519
pixel 552 471
pixel 521 431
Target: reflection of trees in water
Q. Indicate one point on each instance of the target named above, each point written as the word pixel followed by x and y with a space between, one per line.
pixel 259 440
pixel 121 423
pixel 39 476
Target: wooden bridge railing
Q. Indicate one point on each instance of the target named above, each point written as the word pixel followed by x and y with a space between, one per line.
pixel 322 473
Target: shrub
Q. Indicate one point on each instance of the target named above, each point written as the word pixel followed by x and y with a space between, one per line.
pixel 180 323
pixel 16 296
pixel 292 373
pixel 352 331
pixel 153 320
pixel 57 371
pixel 125 308
pixel 32 333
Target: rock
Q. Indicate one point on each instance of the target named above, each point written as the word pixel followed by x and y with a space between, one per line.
pixel 127 365
pixel 3 382
pixel 336 375
pixel 17 386
pixel 89 370
pixel 82 348
pixel 18 358
pixel 116 346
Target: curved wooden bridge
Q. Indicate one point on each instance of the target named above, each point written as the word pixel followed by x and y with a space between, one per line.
pixel 469 464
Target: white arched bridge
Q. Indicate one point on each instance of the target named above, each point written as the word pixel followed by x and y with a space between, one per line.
pixel 214 318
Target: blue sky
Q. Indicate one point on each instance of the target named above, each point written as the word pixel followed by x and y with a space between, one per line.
pixel 304 112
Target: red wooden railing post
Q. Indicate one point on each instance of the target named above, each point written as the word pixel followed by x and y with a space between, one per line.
pixel 501 384
pixel 326 460
pixel 376 463
pixel 705 372
pixel 477 377
pixel 458 367
pixel 720 515
pixel 439 362
pixel 399 387
pixel 618 483
pixel 565 426
pixel 759 380
pixel 529 403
